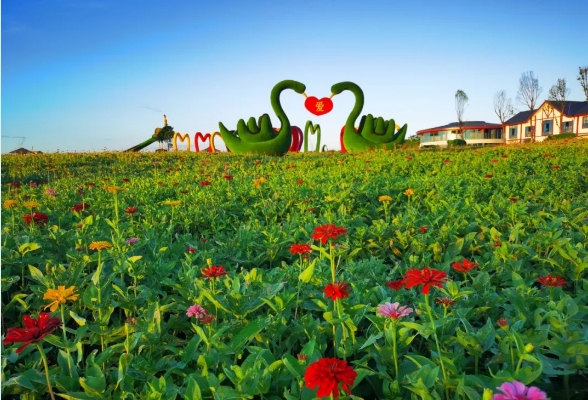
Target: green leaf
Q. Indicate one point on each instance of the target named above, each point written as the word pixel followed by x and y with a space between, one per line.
pixel 37 275
pixel 25 248
pixel 293 366
pixel 308 273
pixel 81 321
pixel 248 333
pixel 193 390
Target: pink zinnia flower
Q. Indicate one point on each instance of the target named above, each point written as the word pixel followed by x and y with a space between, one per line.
pixel 196 311
pixel 518 391
pixel 132 241
pixel 391 310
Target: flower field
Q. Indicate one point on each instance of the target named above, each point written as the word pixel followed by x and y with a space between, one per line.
pixel 387 275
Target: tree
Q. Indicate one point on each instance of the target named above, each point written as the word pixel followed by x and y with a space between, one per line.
pixel 461 101
pixel 559 93
pixel 503 109
pixel 583 79
pixel 528 94
pixel 166 134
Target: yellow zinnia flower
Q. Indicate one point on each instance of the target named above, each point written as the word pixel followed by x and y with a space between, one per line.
pixel 32 204
pixel 173 203
pixel 384 198
pixel 10 203
pixel 59 296
pixel 115 189
pixel 100 245
pixel 409 192
pixel 259 181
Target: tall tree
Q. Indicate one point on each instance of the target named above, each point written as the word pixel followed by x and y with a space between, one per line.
pixel 503 109
pixel 528 94
pixel 559 94
pixel 461 101
pixel 583 79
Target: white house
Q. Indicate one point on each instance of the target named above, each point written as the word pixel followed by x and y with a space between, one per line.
pixel 547 121
pixel 474 132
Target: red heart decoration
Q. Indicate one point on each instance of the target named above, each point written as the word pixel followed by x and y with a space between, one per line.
pixel 318 107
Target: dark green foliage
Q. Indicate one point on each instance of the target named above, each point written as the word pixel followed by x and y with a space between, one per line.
pixel 457 142
pixel 562 136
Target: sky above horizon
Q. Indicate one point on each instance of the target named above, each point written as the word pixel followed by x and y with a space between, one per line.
pixel 94 75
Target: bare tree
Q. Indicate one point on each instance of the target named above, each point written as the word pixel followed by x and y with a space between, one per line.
pixel 559 94
pixel 528 94
pixel 503 109
pixel 461 100
pixel 583 79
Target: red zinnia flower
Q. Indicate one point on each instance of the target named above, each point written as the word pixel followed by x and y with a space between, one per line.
pixel 556 167
pixel 300 181
pixel 336 290
pixel 488 176
pixel 204 183
pixel 409 158
pixel 126 180
pixel 465 267
pixel 213 272
pixel 190 250
pixel 497 243
pixel 203 240
pixel 80 207
pixel 326 373
pixel 494 160
pixel 426 277
pixel 311 209
pixel 324 232
pixel 228 177
pixel 397 284
pixel 512 199
pixel 106 179
pixel 34 330
pixel 208 318
pixel 445 301
pixel 37 217
pixel 90 184
pixel 550 281
pixel 257 162
pixel 423 229
pixel 300 249
pixel 183 191
pixel 131 210
pixel 14 184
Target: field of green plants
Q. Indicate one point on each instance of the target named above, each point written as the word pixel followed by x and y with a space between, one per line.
pixel 388 275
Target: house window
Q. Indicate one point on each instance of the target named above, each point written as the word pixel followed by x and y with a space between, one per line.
pixel 513 132
pixel 548 127
pixel 528 131
pixel 585 122
pixel 568 127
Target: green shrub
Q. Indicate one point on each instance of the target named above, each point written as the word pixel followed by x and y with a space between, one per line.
pixel 562 136
pixel 457 142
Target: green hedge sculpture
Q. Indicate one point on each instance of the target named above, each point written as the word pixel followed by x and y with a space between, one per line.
pixel 369 136
pixel 259 137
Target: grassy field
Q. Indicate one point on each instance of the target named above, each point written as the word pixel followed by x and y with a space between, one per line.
pixel 148 317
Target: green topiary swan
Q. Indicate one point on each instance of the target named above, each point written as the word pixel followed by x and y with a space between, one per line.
pixel 368 137
pixel 259 137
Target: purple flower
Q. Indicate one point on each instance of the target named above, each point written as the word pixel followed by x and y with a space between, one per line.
pixel 518 391
pixel 391 310
pixel 196 311
pixel 132 241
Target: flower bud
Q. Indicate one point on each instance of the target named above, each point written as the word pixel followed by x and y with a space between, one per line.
pixel 529 348
pixel 487 394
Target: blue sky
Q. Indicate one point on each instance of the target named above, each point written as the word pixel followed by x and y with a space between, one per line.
pixel 88 75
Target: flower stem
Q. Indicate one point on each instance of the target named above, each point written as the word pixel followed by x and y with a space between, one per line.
pixel 332 262
pixel 65 341
pixel 99 297
pixel 394 348
pixel 435 335
pixel 38 344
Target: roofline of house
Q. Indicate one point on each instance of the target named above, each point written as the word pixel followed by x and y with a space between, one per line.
pixel 537 110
